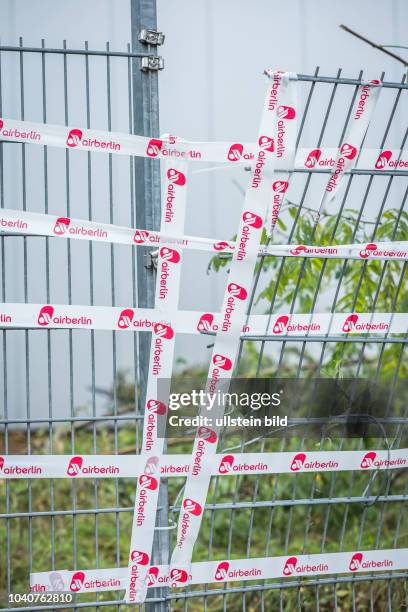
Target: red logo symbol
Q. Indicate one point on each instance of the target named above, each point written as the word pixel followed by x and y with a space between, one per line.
pixel 355 562
pixel 252 219
pixel 280 324
pixel 235 152
pixel 312 158
pixel 222 570
pixel 298 249
pixel 266 143
pixel 152 576
pixel 154 147
pixel 77 581
pixel 163 331
pixel 74 466
pixel 280 186
pixel 176 177
pixel 178 575
pixel 383 159
pixel 222 362
pixel 1 462
pixel 226 464
pixel 205 322
pixel 207 434
pixel 290 566
pixel 368 460
pixel 61 226
pixel 140 236
pixel 192 507
pixel 1 124
pixel 152 465
pixel 169 255
pixel 368 250
pixel 148 482
pixel 141 558
pixel 156 407
pixel 349 323
pixel 297 462
pixel 74 138
pixel 286 112
pixel 45 316
pixel 347 150
pixel 221 246
pixel 125 318
pixel 237 291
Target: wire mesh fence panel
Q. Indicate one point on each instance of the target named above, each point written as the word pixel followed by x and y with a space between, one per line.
pixel 261 516
pixel 97 377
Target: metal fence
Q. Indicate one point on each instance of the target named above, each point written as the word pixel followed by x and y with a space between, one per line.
pixel 49 525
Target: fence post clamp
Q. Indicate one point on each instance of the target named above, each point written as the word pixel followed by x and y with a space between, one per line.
pixel 151 37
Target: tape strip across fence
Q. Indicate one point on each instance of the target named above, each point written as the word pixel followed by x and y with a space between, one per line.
pixel 231 570
pixel 165 325
pixel 170 147
pixel 37 224
pixel 224 464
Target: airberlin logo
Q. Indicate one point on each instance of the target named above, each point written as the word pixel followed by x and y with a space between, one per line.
pixel 347 151
pixel 75 138
pixel 205 322
pixel 357 562
pixel 266 143
pixel 235 152
pixel 126 318
pixel 301 249
pixel 77 582
pixel 290 566
pixel 61 226
pixel 250 219
pixel 176 177
pixel 221 246
pixel 237 291
pixel 156 407
pixel 368 460
pixel 299 462
pixel 222 362
pixel 351 325
pixel 148 482
pixel 222 570
pixel 385 160
pixel 154 147
pixel 15 133
pixel 368 250
pixel 141 558
pixel 228 465
pixel 46 317
pixel 153 576
pixel 286 112
pixel 192 507
pixel 313 158
pixel 17 470
pixel 280 324
pixel 169 255
pixel 280 186
pixel 178 576
pixel 76 467
pixel 163 331
pixel 204 434
pixel 141 236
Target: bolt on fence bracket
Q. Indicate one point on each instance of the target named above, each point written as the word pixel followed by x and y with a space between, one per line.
pixel 151 62
pixel 151 37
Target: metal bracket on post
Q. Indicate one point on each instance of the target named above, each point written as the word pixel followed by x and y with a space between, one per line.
pixel 151 37
pixel 151 62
